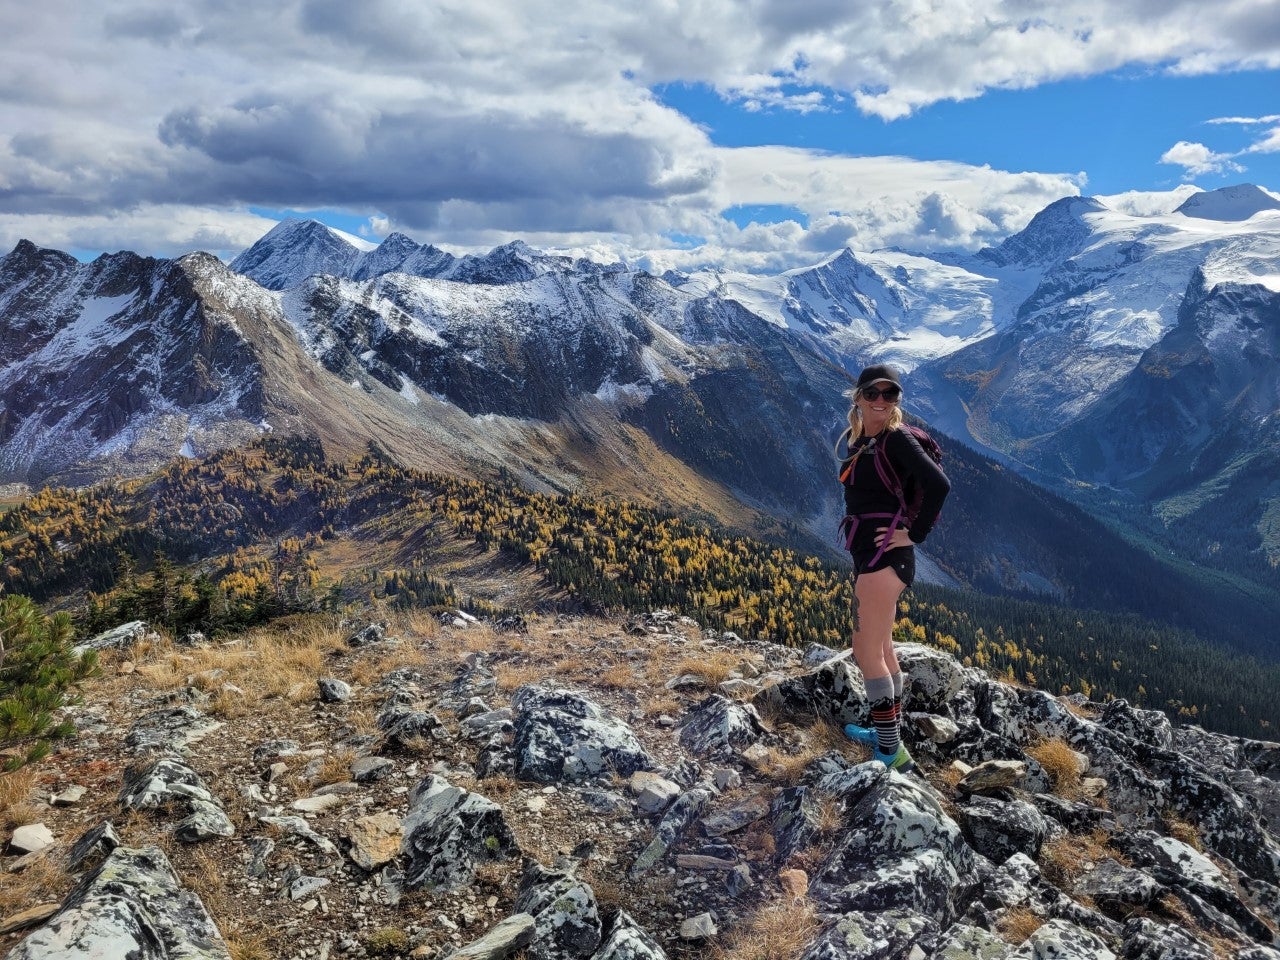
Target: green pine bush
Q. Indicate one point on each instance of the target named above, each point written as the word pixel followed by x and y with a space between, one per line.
pixel 38 671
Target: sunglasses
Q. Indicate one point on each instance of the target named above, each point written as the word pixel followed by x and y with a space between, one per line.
pixel 890 394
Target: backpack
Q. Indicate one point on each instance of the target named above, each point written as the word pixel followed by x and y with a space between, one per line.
pixel 909 499
pixel 912 498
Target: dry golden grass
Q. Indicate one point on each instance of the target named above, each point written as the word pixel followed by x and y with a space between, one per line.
pixel 1060 763
pixel 1064 860
pixel 1083 713
pixel 828 814
pixel 669 704
pixel 15 789
pixel 1018 924
pixel 510 676
pixel 713 666
pixel 774 933
pixel 788 766
pixel 40 882
pixel 248 945
pixel 1181 829
pixel 620 676
pixel 202 872
pixel 336 767
pixel 419 624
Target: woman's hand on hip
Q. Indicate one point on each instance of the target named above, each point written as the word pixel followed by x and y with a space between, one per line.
pixel 899 538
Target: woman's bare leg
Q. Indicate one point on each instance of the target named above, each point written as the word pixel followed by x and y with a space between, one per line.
pixel 877 595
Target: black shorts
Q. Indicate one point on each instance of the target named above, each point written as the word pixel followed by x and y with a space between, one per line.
pixel 901 559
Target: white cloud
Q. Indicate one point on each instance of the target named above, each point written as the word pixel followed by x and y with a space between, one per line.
pixel 470 123
pixel 1143 203
pixel 1196 159
pixel 158 230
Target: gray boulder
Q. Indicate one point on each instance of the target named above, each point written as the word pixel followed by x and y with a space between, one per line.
pixel 884 935
pixel 998 829
pixel 448 832
pixel 1118 889
pixel 169 730
pixel 131 906
pixel 565 915
pixel 1145 939
pixel 624 939
pixel 899 849
pixel 1062 940
pixel 168 782
pixel 718 726
pixel 124 635
pixel 834 691
pixel 687 808
pixel 562 736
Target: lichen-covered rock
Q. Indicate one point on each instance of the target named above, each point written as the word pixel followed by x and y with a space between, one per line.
pixel 483 726
pixel 131 906
pixel 563 736
pixel 168 781
pixel 1196 880
pixel 448 832
pixel 1226 824
pixel 718 726
pixel 962 941
pixel 998 829
pixel 504 939
pixel 565 915
pixel 1018 883
pixel 1145 939
pixel 899 849
pixel 124 635
pixel 169 730
pixel 1061 940
pixel 1118 889
pixel 936 678
pixel 624 939
pixel 402 727
pixel 1148 726
pixel 833 691
pixel 883 935
pixel 678 818
pixel 333 690
pixel 94 844
pixel 366 636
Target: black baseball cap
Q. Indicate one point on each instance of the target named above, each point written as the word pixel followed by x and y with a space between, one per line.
pixel 878 371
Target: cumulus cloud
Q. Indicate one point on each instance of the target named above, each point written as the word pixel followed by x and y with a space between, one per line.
pixel 1196 159
pixel 477 122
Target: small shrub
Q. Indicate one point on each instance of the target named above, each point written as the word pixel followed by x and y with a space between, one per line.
pixel 37 672
pixel 1060 763
pixel 1018 924
pixel 774 932
pixel 387 941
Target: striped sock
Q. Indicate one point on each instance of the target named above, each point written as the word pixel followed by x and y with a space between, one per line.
pixel 883 715
pixel 898 687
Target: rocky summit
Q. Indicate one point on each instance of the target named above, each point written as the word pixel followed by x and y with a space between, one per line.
pixel 599 789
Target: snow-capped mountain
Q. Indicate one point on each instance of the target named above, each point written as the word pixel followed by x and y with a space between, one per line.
pixel 563 369
pixel 294 250
pixel 1115 289
pixel 562 378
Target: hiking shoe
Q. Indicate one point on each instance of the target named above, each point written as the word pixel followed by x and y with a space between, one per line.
pixel 900 761
pixel 863 735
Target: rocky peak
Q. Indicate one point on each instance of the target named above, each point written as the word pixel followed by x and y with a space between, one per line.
pixel 1234 203
pixel 1054 234
pixel 294 250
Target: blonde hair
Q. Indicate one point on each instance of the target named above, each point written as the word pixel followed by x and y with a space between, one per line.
pixel 854 430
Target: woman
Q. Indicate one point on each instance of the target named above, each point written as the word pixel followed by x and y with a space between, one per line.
pixel 881 533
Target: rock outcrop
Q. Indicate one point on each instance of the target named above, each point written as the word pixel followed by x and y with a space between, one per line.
pixel 574 819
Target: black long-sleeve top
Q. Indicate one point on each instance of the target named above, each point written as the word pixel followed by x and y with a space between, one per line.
pixel 867 493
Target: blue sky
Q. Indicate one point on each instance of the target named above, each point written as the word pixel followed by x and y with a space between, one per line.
pixel 754 136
